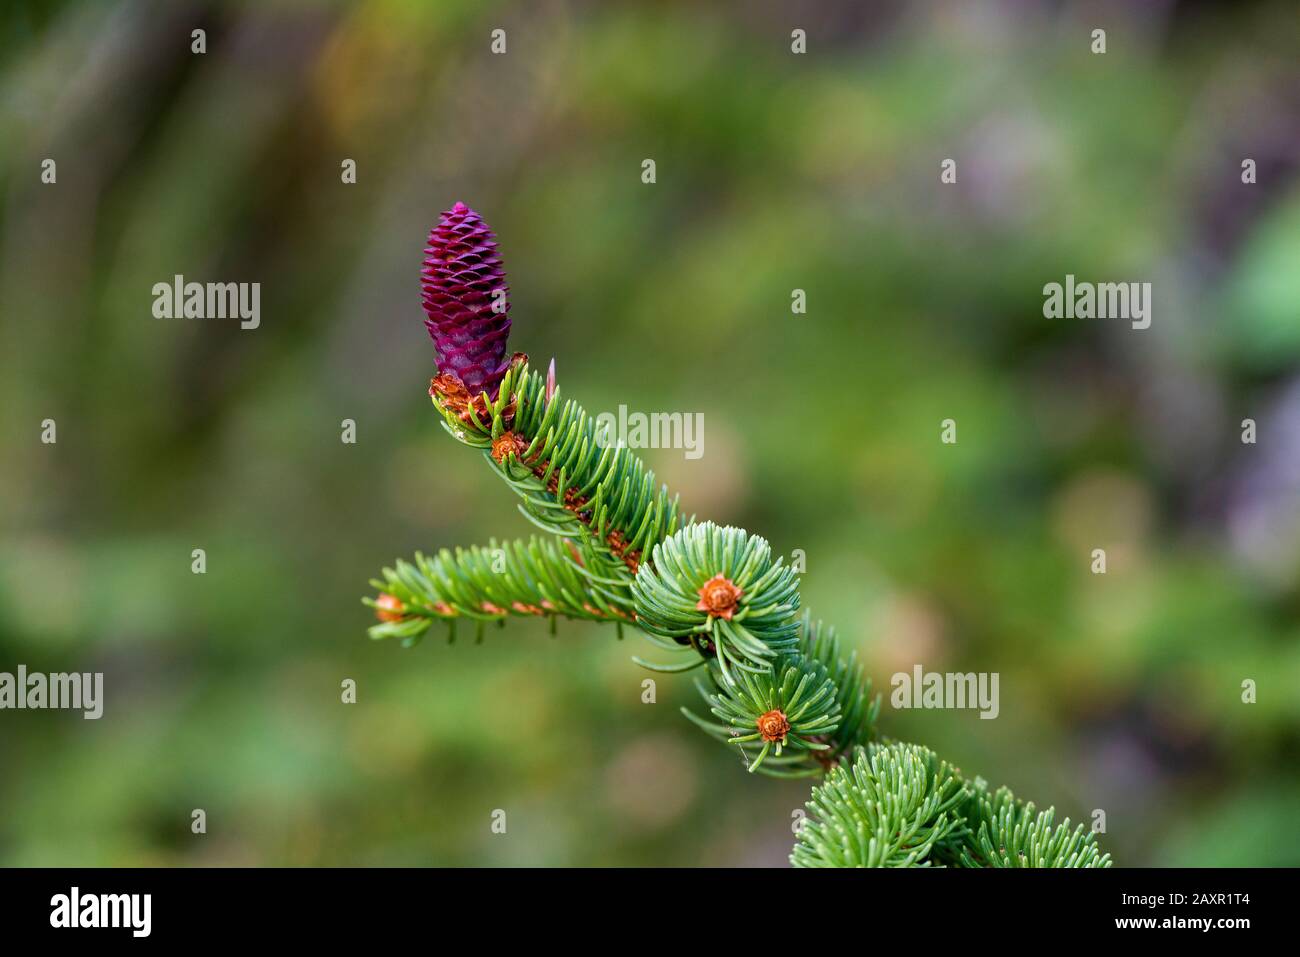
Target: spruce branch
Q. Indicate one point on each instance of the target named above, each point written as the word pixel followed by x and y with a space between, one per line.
pixel 617 548
pixel 572 481
pixel 793 706
pixel 717 590
pixel 859 708
pixel 892 807
pixel 818 657
pixel 536 577
pixel 1005 832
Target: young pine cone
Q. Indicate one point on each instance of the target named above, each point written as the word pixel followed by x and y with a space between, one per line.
pixel 466 299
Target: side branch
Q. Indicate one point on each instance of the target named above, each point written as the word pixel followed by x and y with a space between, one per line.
pixel 532 578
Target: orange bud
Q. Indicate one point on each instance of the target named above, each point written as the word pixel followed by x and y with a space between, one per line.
pixel 389 608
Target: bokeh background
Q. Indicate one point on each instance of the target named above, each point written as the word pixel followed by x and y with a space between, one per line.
pixel 1119 692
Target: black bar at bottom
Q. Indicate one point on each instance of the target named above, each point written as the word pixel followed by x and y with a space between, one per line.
pixel 335 906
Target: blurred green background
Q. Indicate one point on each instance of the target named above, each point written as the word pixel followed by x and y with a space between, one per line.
pixel 775 171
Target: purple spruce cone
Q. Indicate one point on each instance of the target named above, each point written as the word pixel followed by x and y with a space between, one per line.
pixel 461 273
